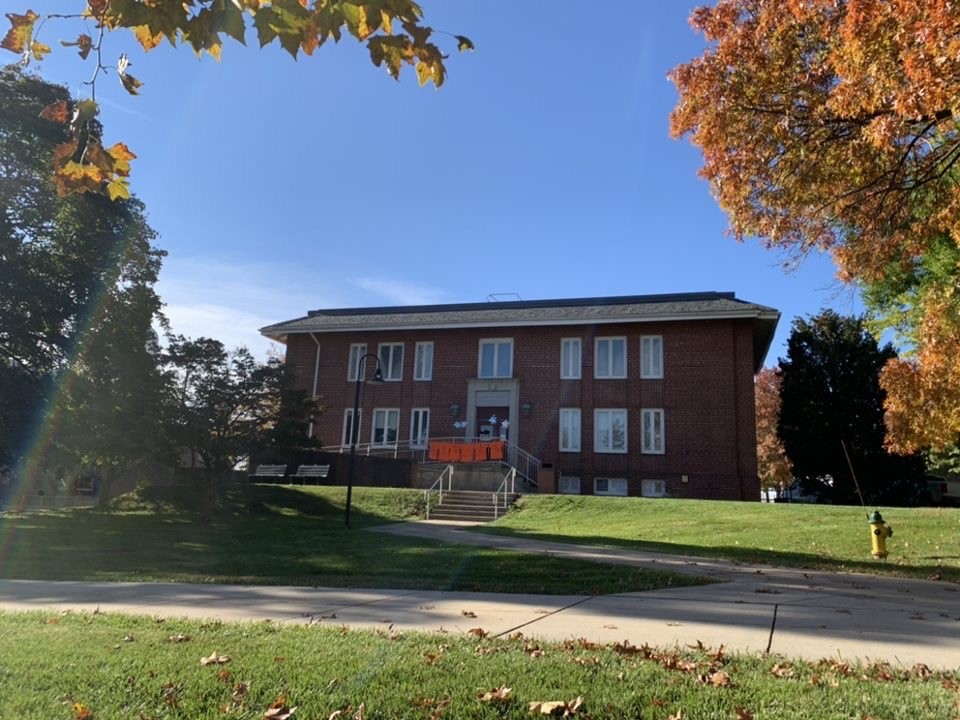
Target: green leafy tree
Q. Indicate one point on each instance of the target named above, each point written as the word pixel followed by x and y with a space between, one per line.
pixel 78 304
pixel 832 405
pixel 224 406
pixel 393 31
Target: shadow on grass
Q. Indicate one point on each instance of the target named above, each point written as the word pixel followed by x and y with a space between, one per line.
pixel 280 535
pixel 748 555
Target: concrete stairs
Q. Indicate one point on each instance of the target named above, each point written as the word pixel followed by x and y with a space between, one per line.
pixel 471 506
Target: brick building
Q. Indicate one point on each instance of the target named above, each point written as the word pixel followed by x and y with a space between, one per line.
pixel 639 395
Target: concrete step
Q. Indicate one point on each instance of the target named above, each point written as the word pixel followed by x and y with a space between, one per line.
pixel 470 505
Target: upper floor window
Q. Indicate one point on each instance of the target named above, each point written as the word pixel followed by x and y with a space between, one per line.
pixel 610 358
pixel 423 361
pixel 496 358
pixel 570 359
pixel 652 431
pixel 357 351
pixel 610 431
pixel 651 356
pixel 391 360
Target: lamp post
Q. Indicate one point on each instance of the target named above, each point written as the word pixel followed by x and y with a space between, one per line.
pixel 355 424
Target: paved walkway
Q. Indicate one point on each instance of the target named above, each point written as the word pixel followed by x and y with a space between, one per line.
pixel 754 609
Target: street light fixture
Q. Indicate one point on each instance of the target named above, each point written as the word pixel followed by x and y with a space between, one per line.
pixel 355 422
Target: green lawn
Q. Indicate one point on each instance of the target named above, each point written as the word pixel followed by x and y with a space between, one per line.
pixel 105 667
pixel 270 534
pixel 926 541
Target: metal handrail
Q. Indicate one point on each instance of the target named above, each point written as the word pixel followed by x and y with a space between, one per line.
pixel 525 463
pixel 448 471
pixel 511 478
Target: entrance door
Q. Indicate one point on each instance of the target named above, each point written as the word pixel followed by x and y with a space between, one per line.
pixel 493 423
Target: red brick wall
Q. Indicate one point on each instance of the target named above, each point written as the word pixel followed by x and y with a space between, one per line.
pixel 706 394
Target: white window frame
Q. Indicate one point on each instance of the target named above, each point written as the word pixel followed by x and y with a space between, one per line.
pixel 652 443
pixel 357 351
pixel 606 373
pixel 423 424
pixel 423 361
pixel 496 342
pixel 567 416
pixel 598 426
pixel 387 365
pixel 571 358
pixel 651 357
pixel 569 485
pixel 347 415
pixel 386 414
pixel 653 488
pixel 608 487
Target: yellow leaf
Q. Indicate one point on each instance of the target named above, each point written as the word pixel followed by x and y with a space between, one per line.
pixel 38 50
pixel 121 158
pixel 118 188
pixel 424 73
pixel 18 37
pixel 147 39
pixel 386 22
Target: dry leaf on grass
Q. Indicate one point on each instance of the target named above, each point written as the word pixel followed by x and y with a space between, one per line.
pixel 215 659
pixel 477 632
pixel 717 679
pixel 279 710
pixel 557 708
pixel 743 714
pixel 81 712
pixel 178 638
pixel 502 694
pixel 782 670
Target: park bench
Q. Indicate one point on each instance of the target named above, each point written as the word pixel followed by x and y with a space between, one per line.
pixel 271 472
pixel 312 471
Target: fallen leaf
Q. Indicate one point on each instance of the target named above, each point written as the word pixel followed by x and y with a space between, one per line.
pixel 556 707
pixel 215 659
pixel 178 638
pixel 279 710
pixel 501 694
pixel 743 714
pixel 782 670
pixel 477 632
pixel 468 613
pixel 81 712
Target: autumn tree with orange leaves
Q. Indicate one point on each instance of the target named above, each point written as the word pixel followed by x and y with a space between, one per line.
pixel 832 125
pixel 393 30
pixel 773 467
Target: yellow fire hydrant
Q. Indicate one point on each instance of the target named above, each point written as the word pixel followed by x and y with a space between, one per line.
pixel 879 532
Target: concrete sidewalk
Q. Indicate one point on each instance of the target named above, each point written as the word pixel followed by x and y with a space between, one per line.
pixel 754 609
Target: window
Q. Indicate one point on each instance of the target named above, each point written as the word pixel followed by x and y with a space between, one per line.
pixel 569 429
pixel 423 361
pixel 610 486
pixel 353 362
pixel 496 359
pixel 610 431
pixel 419 427
pixel 348 424
pixel 570 359
pixel 569 485
pixel 610 358
pixel 391 360
pixel 385 424
pixel 651 356
pixel 653 488
pixel 652 421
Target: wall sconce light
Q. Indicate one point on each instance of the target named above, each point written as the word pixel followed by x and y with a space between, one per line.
pixel 526 408
pixel 455 409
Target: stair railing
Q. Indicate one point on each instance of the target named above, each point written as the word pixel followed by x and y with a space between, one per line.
pixel 448 474
pixel 508 485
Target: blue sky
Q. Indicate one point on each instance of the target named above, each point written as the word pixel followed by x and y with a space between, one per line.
pixel 544 167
